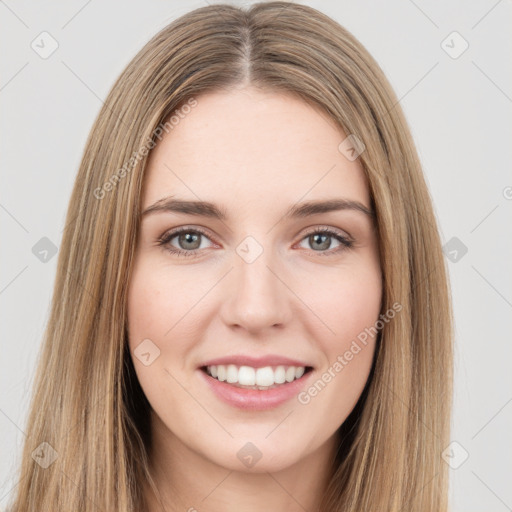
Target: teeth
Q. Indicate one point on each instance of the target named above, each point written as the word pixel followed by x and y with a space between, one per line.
pixel 280 375
pixel 290 373
pixel 221 372
pixel 246 376
pixel 232 374
pixel 260 378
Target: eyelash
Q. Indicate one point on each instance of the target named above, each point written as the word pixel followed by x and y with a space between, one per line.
pixel 167 237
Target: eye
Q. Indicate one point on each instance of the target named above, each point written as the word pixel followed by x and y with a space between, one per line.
pixel 322 238
pixel 189 239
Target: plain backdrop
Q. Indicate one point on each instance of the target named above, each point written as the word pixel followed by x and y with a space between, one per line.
pixel 449 63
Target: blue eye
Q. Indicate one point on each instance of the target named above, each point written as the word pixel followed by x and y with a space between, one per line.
pixel 192 237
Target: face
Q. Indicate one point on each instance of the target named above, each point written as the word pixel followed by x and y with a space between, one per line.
pixel 269 298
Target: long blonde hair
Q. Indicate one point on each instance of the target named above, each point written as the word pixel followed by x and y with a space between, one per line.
pixel 88 408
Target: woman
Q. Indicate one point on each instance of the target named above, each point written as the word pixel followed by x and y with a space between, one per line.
pixel 253 368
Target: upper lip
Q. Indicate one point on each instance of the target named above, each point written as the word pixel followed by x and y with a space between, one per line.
pixel 255 362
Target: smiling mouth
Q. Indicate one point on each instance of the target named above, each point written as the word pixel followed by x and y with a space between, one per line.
pixel 247 377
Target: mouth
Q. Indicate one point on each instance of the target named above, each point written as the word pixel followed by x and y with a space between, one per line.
pixel 261 379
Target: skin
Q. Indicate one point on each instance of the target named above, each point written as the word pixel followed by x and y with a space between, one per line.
pixel 255 154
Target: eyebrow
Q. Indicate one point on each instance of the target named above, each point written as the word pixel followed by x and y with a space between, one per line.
pixel 207 209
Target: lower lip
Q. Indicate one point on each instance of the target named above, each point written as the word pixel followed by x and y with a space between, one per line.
pixel 255 399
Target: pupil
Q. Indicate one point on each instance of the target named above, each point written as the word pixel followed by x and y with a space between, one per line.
pixel 189 238
pixel 325 245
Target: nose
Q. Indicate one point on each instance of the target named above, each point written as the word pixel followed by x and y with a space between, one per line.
pixel 257 297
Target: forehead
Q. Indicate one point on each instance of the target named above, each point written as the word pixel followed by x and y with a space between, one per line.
pixel 247 146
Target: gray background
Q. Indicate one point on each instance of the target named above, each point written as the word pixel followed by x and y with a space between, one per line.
pixel 459 110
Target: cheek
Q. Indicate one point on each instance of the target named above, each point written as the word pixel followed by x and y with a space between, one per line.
pixel 144 308
pixel 350 306
pixel 356 306
pixel 347 301
pixel 150 306
pixel 153 307
pixel 155 300
pixel 161 308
